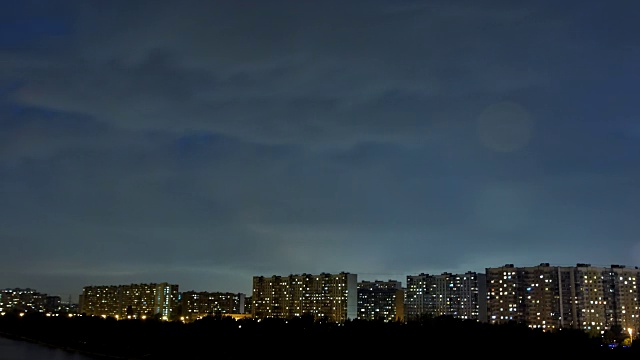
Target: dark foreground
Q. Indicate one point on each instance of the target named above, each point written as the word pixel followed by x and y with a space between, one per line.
pixel 22 350
pixel 300 338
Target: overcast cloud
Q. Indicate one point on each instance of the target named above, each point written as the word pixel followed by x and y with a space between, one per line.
pixel 206 142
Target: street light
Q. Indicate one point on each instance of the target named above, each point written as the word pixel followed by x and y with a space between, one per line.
pixel 630 330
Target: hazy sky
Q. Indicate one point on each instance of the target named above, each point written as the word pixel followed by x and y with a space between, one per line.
pixel 206 142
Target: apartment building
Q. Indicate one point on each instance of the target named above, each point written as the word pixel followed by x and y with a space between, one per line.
pixel 198 304
pixel 381 300
pixel 325 296
pixel 461 296
pixel 23 300
pixel 248 304
pixel 130 301
pixel 607 296
pixel 53 304
pixel 550 297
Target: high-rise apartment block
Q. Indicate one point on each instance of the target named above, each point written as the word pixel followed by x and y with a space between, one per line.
pixel 585 297
pixel 24 300
pixel 523 295
pixel 325 296
pixel 248 304
pixel 550 297
pixel 381 300
pixel 461 296
pixel 130 301
pixel 53 304
pixel 198 304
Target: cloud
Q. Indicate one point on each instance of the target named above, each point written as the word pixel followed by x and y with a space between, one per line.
pixel 208 143
pixel 283 72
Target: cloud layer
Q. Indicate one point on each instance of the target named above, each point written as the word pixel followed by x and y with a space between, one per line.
pixel 208 143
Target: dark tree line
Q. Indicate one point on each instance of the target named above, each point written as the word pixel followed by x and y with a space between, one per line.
pixel 303 337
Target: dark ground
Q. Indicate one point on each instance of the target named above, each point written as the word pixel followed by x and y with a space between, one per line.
pixel 300 338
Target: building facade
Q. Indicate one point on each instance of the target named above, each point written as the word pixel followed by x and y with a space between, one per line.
pixel 381 300
pixel 607 296
pixel 529 295
pixel 248 304
pixel 198 304
pixel 53 304
pixel 461 296
pixel 332 297
pixel 551 297
pixel 130 301
pixel 22 300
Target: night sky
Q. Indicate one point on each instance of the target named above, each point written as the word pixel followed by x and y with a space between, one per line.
pixel 206 142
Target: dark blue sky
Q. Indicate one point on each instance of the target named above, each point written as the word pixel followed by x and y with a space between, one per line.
pixel 205 142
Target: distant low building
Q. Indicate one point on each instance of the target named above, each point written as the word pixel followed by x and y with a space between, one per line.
pixel 53 304
pixel 198 304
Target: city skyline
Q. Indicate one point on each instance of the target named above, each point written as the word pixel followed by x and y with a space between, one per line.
pixel 202 143
pixel 402 279
pixel 549 297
